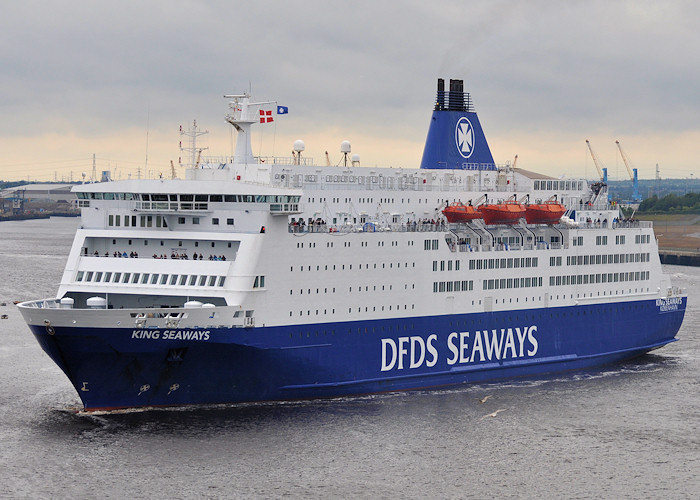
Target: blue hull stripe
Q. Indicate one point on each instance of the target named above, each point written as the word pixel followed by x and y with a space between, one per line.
pixel 489 366
pixel 123 367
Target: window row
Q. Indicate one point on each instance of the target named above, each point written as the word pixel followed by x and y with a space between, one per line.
pixel 453 286
pixel 370 200
pixel 137 221
pixel 430 245
pixel 376 308
pixel 585 279
pixel 308 291
pixel 196 220
pixel 502 283
pixel 151 278
pixel 446 265
pixel 332 267
pixel 559 185
pixel 642 238
pixel 203 198
pixel 509 263
pixel 616 258
pixel 346 244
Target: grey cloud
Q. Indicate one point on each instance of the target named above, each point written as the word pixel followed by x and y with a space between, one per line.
pixel 580 66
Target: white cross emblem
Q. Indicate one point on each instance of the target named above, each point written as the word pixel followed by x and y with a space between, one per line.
pixel 464 137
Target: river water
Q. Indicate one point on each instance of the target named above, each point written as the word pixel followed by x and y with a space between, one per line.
pixel 625 431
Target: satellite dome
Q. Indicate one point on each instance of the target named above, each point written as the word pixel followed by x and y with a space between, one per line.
pixel 345 147
pixel 96 303
pixel 299 146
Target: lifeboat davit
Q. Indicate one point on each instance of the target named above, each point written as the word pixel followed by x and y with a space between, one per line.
pixel 457 212
pixel 507 212
pixel 548 212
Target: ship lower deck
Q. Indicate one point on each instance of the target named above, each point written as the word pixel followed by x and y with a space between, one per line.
pixel 136 367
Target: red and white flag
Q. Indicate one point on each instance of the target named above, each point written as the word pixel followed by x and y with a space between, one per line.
pixel 266 116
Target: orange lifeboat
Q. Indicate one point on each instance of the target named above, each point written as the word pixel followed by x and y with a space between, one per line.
pixel 507 212
pixel 457 212
pixel 548 212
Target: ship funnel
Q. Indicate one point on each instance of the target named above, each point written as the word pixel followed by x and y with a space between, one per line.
pixel 455 137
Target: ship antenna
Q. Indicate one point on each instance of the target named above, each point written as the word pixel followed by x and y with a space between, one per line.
pixel 148 125
pixel 192 149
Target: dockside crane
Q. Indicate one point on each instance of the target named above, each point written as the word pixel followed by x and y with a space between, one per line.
pixel 602 171
pixel 632 173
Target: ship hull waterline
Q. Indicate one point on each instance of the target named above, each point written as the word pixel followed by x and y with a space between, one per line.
pixel 115 368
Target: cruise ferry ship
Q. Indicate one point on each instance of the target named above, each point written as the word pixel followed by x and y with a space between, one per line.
pixel 275 278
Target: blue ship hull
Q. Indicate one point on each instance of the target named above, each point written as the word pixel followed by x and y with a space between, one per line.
pixel 117 368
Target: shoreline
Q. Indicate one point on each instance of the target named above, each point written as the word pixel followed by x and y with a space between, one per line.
pixel 43 215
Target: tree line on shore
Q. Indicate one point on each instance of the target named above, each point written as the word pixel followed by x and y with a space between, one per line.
pixel 688 203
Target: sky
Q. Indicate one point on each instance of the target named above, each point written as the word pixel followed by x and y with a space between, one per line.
pixel 117 79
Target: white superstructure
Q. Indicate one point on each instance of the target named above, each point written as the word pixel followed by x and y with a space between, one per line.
pixel 373 244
